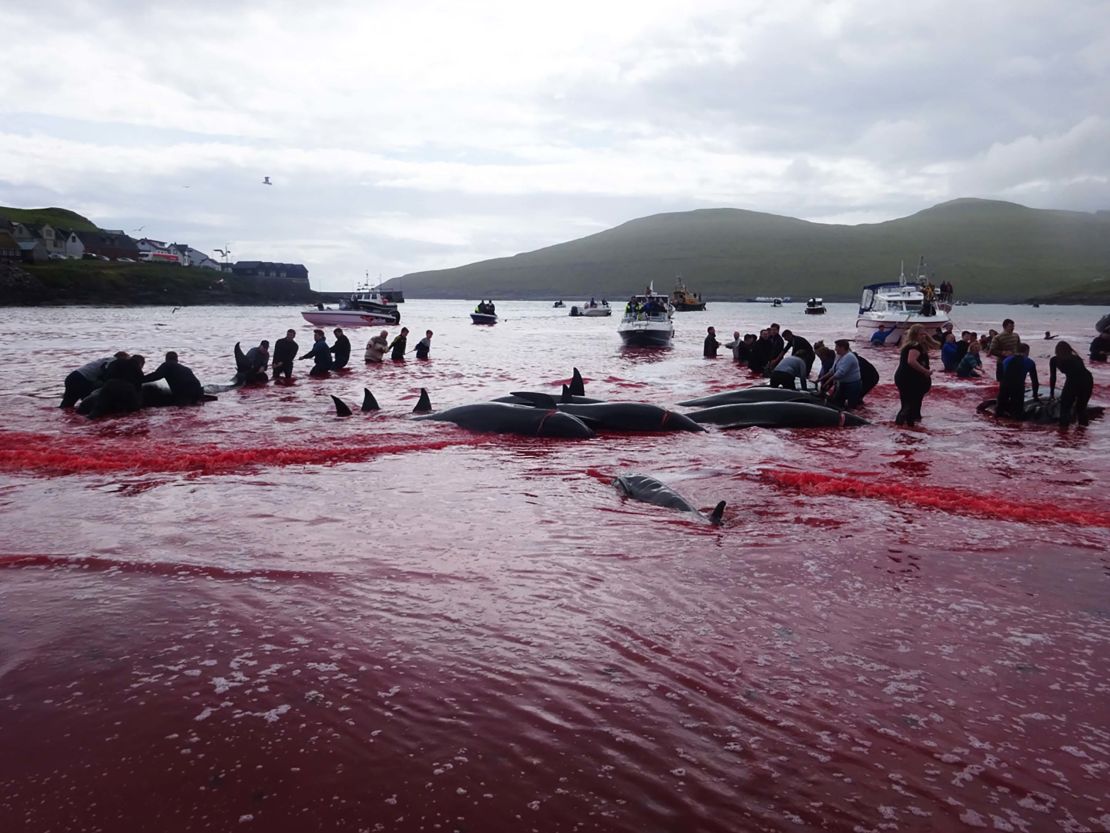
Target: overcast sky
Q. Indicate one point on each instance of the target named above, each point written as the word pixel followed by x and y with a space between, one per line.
pixel 402 136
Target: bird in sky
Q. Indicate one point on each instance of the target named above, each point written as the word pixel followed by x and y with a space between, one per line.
pixel 266 181
pixel 140 228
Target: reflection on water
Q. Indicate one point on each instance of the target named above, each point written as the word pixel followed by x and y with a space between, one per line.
pixel 255 613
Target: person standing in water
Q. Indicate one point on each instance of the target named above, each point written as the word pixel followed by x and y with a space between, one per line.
pixel 1078 388
pixel 341 350
pixel 709 349
pixel 1011 388
pixel 376 347
pixel 424 346
pixel 320 354
pixel 398 345
pixel 285 351
pixel 913 378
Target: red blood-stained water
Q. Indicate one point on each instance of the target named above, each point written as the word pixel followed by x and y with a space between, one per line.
pixel 256 615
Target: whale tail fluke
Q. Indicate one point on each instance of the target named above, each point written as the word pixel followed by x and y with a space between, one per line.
pixel 341 409
pixel 567 396
pixel 577 386
pixel 717 513
pixel 424 404
pixel 240 358
pixel 369 403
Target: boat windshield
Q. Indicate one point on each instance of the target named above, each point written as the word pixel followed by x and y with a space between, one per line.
pixel 647 308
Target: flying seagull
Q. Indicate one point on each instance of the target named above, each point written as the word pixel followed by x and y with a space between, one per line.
pixel 266 181
pixel 140 228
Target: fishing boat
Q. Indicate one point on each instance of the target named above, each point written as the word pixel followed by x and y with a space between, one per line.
pixel 484 313
pixel 591 309
pixel 898 306
pixel 776 302
pixel 815 306
pixel 365 308
pixel 683 300
pixel 647 320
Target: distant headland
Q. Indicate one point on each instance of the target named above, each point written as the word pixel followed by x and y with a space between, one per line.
pixel 990 251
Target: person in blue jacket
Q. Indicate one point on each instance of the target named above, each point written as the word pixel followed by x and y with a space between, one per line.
pixel 1011 390
pixel 320 354
pixel 949 352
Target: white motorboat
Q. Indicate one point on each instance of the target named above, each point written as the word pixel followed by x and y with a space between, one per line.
pixel 647 320
pixel 483 318
pixel 815 306
pixel 898 306
pixel 365 308
pixel 591 309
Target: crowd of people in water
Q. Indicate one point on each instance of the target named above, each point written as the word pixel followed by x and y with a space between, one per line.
pixel 845 377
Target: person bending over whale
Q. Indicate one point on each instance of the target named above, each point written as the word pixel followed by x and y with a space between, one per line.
pixel 285 353
pixel 1078 388
pixel 184 385
pixel 787 370
pixel 255 362
pixel 121 391
pixel 320 354
pixel 1011 390
pixel 85 379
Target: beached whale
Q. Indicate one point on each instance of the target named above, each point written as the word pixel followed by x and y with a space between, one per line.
pixel 756 394
pixel 500 418
pixel 616 416
pixel 776 415
pixel 649 490
pixel 1038 411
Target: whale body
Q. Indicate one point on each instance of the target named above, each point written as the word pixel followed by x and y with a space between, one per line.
pixel 776 415
pixel 645 488
pixel 617 416
pixel 500 418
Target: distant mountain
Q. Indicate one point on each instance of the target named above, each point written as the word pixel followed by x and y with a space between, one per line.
pixel 990 251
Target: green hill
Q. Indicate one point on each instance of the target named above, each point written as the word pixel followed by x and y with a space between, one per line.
pixel 56 217
pixel 990 251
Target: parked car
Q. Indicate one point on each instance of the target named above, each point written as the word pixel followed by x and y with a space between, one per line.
pixel 57 256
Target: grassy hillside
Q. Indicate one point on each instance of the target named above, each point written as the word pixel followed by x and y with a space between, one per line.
pixel 991 251
pixel 57 217
pixel 1091 292
pixel 101 282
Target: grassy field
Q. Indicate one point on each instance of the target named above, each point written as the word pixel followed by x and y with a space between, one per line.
pixel 103 282
pixel 990 251
pixel 56 217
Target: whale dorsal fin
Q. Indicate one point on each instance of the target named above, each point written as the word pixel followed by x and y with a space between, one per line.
pixel 369 403
pixel 341 409
pixel 577 386
pixel 424 404
pixel 718 511
pixel 240 358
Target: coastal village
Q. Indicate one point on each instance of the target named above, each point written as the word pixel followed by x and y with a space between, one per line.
pixel 25 244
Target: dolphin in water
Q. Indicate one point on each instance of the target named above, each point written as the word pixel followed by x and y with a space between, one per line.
pixel 616 416
pixel 649 490
pixel 756 394
pixel 500 418
pixel 776 415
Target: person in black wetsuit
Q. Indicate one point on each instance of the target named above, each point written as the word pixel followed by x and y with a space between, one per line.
pixel 1100 347
pixel 285 352
pixel 913 377
pixel 1011 388
pixel 709 349
pixel 320 354
pixel 184 385
pixel 1078 388
pixel 762 352
pixel 121 391
pixel 398 345
pixel 797 346
pixel 424 346
pixel 341 350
